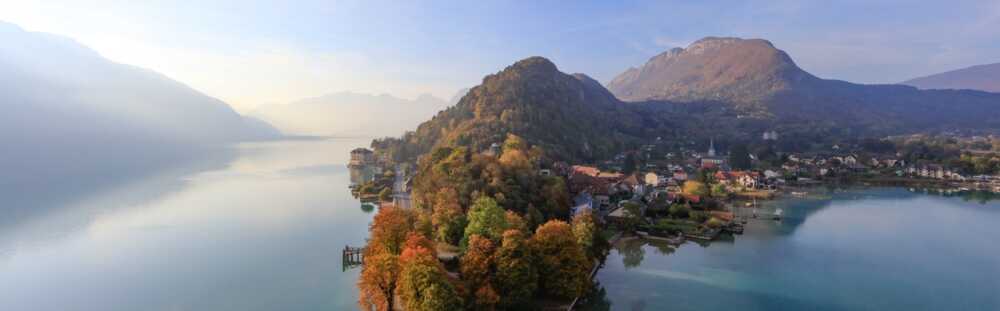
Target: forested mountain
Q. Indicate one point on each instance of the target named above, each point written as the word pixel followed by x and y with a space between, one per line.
pixel 754 80
pixel 569 116
pixel 982 77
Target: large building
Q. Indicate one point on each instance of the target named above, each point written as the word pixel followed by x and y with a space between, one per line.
pixel 711 159
pixel 361 157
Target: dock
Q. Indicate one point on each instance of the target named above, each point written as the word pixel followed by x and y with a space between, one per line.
pixel 352 257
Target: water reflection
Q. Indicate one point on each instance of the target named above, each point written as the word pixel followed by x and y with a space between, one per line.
pixel 860 249
pixel 263 232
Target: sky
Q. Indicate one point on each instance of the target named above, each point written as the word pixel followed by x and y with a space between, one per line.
pixel 251 52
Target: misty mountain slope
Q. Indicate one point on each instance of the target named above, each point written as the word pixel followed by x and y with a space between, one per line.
pixel 757 80
pixel 70 114
pixel 982 77
pixel 351 114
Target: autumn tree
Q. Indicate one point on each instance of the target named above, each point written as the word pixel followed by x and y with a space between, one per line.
pixel 478 268
pixel 695 188
pixel 516 275
pixel 486 219
pixel 585 231
pixel 449 221
pixel 423 284
pixel 389 229
pixel 515 221
pixel 377 283
pixel 562 259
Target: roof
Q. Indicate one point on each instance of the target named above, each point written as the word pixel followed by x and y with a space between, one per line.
pixel 586 170
pixel 361 150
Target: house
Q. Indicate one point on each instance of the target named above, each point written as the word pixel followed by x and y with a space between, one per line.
pixel 722 177
pixel 769 174
pixel 652 178
pixel 585 170
pixel 361 157
pixel 583 201
pixel 680 175
pixel 612 177
pixel 636 185
pixel 850 160
pixel 750 180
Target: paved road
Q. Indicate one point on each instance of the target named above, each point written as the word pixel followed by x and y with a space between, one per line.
pixel 400 197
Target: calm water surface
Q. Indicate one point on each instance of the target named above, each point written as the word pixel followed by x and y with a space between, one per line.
pixel 262 228
pixel 259 230
pixel 876 249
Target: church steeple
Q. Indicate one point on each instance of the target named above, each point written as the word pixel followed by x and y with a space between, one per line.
pixel 711 147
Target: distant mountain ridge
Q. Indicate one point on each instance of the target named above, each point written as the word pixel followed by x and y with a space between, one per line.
pixel 351 114
pixel 981 77
pixel 756 80
pixel 68 114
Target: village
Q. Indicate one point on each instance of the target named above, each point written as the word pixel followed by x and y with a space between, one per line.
pixel 684 193
pixel 678 192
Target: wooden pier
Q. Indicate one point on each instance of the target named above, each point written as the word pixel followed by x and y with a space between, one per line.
pixel 352 257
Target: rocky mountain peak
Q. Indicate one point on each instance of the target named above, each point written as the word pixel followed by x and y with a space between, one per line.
pixel 711 68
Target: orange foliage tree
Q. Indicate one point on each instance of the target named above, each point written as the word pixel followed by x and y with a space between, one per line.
pixel 562 259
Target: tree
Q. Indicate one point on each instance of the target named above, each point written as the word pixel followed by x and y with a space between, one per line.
pixel 423 283
pixel 585 231
pixel 695 188
pixel 516 275
pixel 719 190
pixel 679 211
pixel 385 195
pixel 515 221
pixel 377 283
pixel 478 268
pixel 487 219
pixel 389 229
pixel 565 264
pixel 630 163
pixel 633 216
pixel 448 219
pixel 739 157
pixel 533 217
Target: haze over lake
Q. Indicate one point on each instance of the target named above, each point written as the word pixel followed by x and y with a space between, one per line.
pixel 261 231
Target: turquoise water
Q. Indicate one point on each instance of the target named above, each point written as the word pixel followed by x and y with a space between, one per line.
pixel 876 249
pixel 260 228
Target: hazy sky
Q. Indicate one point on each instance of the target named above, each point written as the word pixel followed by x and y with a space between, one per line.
pixel 252 52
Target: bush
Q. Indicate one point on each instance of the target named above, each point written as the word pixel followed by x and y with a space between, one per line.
pixel 679 211
pixel 714 223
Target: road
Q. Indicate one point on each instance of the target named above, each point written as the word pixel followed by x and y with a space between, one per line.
pixel 400 197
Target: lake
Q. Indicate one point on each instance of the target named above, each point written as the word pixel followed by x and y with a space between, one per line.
pixel 868 249
pixel 260 227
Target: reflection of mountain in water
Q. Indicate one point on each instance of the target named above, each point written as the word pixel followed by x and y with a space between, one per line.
pixel 127 184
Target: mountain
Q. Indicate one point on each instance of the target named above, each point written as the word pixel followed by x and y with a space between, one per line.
pixel 753 80
pixel 68 113
pixel 569 116
pixel 982 77
pixel 712 69
pixel 458 96
pixel 349 114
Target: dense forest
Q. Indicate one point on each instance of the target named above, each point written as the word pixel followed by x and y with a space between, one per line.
pixel 510 227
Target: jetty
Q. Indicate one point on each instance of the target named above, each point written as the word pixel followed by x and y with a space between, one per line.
pixel 352 257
